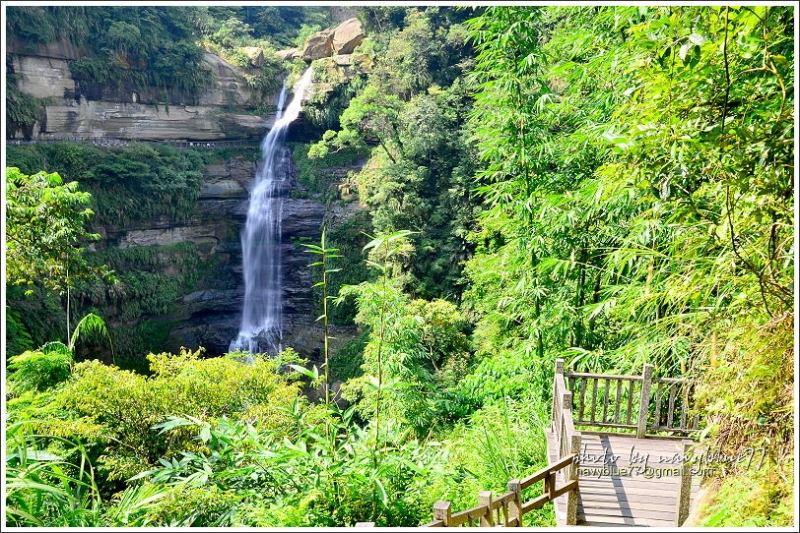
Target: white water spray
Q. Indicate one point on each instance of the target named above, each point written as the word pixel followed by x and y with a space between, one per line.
pixel 262 321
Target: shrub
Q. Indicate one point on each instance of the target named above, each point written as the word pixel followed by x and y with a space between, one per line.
pixel 40 369
pixel 113 410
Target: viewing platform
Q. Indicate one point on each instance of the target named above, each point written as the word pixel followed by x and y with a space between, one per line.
pixel 631 464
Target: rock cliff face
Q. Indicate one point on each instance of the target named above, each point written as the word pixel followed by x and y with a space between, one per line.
pixel 218 113
pixel 210 314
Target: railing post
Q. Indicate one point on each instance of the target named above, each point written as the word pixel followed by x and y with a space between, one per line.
pixel 559 371
pixel 566 405
pixel 572 496
pixel 550 485
pixel 485 498
pixel 442 511
pixel 515 505
pixel 566 401
pixel 644 401
pixel 685 487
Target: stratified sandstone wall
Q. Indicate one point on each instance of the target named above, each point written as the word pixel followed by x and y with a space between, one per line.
pixel 217 114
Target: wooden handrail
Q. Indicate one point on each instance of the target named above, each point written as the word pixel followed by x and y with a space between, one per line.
pixel 468 516
pixel 542 474
pixel 570 375
pixel 508 508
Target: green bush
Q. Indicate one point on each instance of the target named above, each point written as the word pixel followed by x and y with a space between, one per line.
pixel 502 441
pixel 41 369
pixel 318 174
pixel 324 475
pixel 113 410
pixel 350 239
pixel 45 488
pixel 758 497
pixel 18 338
pixel 346 362
pixel 185 506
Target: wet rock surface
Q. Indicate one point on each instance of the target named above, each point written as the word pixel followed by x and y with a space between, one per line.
pixel 210 315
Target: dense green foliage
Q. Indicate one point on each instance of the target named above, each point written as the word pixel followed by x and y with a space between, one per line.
pixel 127 184
pixel 246 450
pixel 327 179
pixel 47 488
pixel 413 105
pixel 608 185
pixel 280 24
pixel 638 178
pixel 147 284
pixel 39 370
pixel 131 47
pixel 44 224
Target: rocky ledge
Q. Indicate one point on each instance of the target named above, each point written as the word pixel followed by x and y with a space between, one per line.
pixel 218 113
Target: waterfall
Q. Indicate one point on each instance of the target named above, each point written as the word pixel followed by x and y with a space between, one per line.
pixel 261 328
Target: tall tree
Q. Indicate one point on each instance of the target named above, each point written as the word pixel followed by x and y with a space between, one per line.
pixel 45 229
pixel 45 232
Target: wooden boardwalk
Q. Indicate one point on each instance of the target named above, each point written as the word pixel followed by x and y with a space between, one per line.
pixel 599 475
pixel 616 487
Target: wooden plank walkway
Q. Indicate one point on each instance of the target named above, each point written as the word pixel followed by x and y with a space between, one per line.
pixel 602 478
pixel 617 487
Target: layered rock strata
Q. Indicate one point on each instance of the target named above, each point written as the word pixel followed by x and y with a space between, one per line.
pixel 218 113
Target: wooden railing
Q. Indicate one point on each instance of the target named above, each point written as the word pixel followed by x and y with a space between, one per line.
pixel 508 508
pixel 640 403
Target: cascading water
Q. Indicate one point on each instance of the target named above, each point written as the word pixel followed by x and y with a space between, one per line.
pixel 261 328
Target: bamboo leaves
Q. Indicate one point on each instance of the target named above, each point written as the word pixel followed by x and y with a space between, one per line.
pixel 325 254
pixel 641 229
